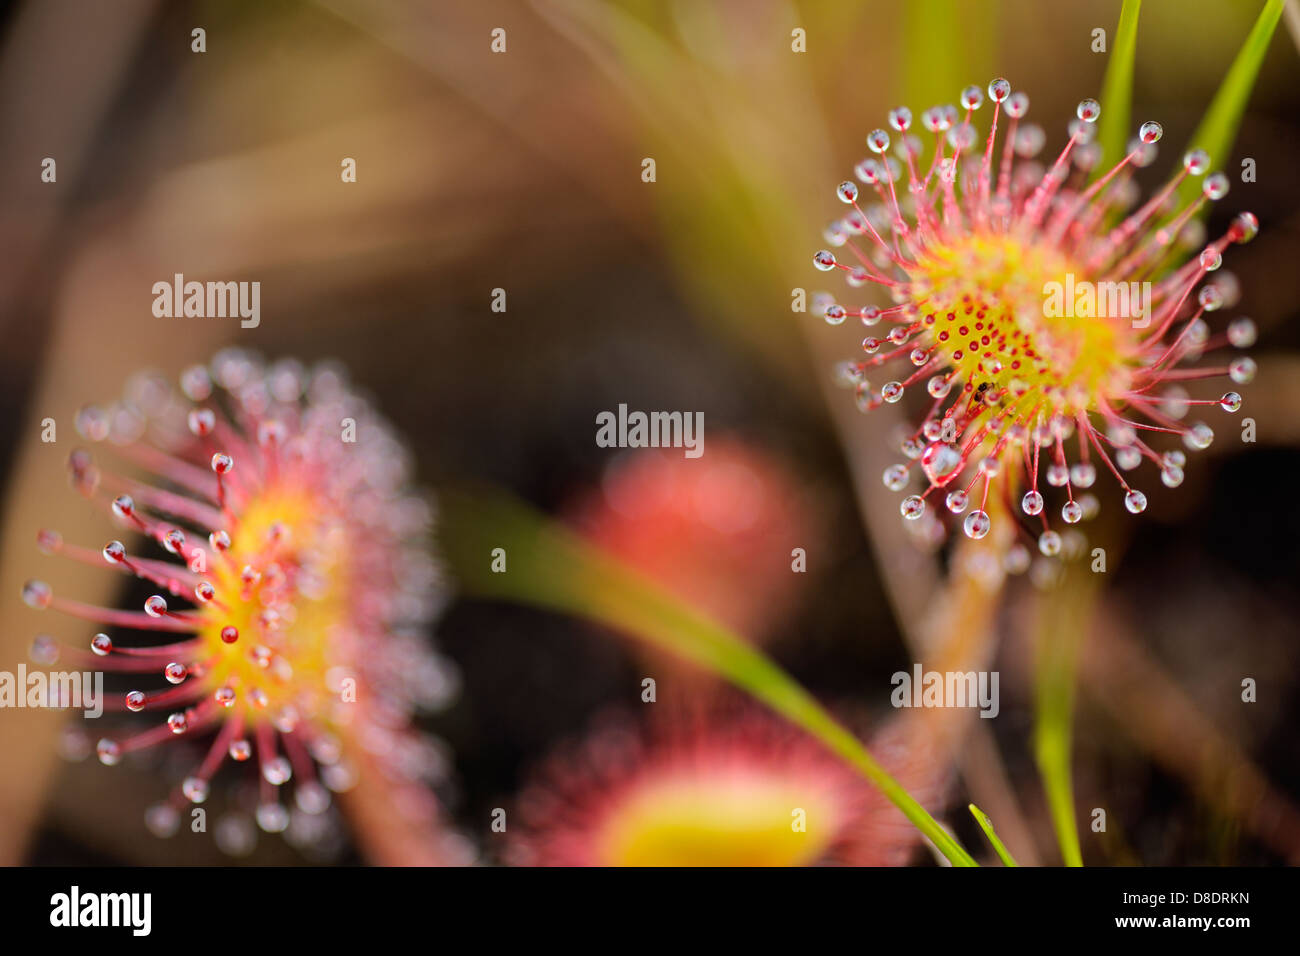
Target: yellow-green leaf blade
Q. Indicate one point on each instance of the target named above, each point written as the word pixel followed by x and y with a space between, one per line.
pixel 1218 128
pixel 1117 88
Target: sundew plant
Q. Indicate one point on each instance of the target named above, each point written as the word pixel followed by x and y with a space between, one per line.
pixel 633 433
pixel 1061 335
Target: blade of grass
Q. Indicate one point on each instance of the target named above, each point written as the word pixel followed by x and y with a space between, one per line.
pixel 986 825
pixel 1117 88
pixel 947 44
pixel 1218 128
pixel 548 566
pixel 1062 622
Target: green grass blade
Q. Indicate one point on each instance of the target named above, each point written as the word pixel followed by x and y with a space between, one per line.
pixel 986 825
pixel 947 44
pixel 1063 619
pixel 548 566
pixel 1117 89
pixel 1218 128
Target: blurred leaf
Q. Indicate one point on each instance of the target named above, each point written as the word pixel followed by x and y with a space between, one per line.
pixel 1218 128
pixel 1062 622
pixel 947 45
pixel 550 567
pixel 1117 88
pixel 986 825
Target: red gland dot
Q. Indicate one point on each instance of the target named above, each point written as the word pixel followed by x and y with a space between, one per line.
pixel 229 634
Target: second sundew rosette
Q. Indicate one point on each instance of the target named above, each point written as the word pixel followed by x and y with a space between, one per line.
pixel 1053 322
pixel 289 590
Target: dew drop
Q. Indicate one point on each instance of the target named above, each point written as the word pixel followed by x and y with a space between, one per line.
pixel 195 789
pixel 1017 105
pixel 1244 228
pixel 225 696
pixel 878 141
pixel 1088 110
pixel 178 723
pixel 835 314
pixel 977 524
pixel 201 421
pixel 162 820
pixel 912 507
pixel 272 817
pixel 109 752
pixel 824 260
pixel 1032 503
pixel 123 506
pixel 847 191
pixel 175 672
pixel 277 771
pixel 135 701
pixel 37 595
pixel 1049 543
pixel 938 386
pixel 1135 501
pixel 957 501
pixel 1150 132
pixel 49 542
pixel 1083 474
pixel 1215 186
pixel 1171 475
pixel 44 650
pixel 941 463
pixel 1242 370
pixel 1057 475
pixel 92 423
pixel 1200 437
pixel 1230 402
pixel 102 645
pixel 155 605
pixel 895 477
pixel 999 90
pixel 892 392
pixel 1242 333
pixel 1128 458
pixel 311 797
pixel 196 384
pixel 222 463
pixel 1211 259
pixel 1196 162
pixel 240 750
pixel 1072 512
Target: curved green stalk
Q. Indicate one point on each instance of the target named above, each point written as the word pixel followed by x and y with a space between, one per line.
pixel 1218 128
pixel 1117 88
pixel 986 825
